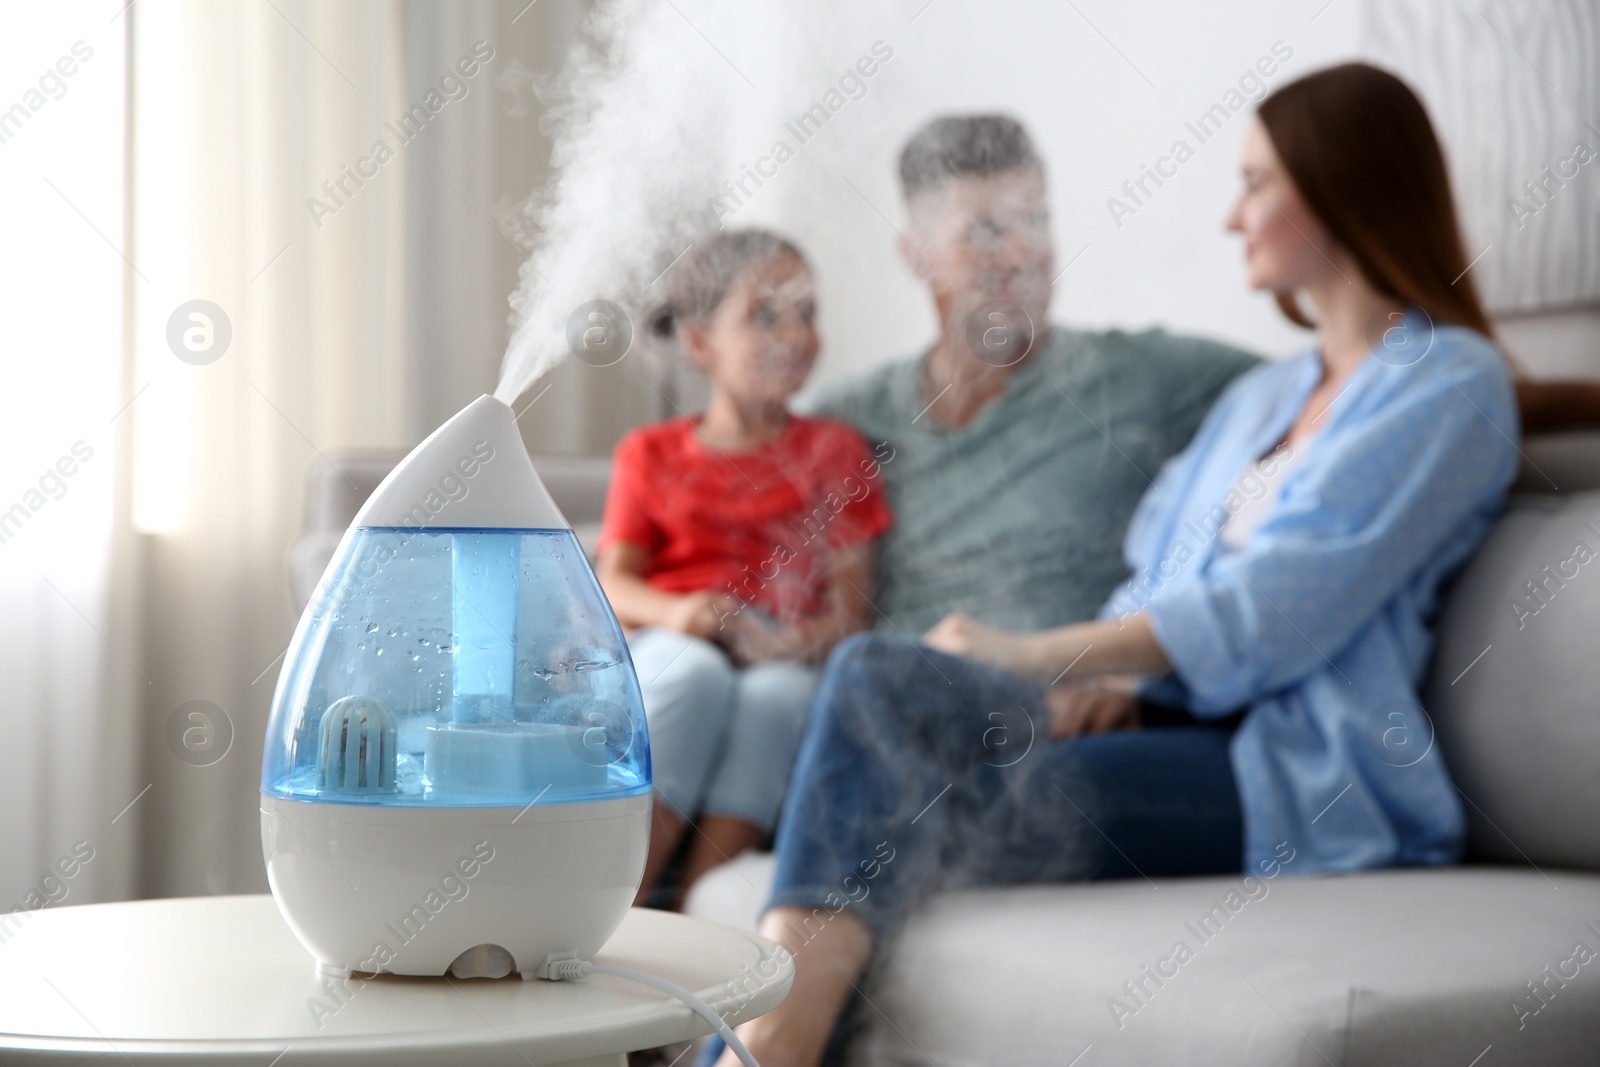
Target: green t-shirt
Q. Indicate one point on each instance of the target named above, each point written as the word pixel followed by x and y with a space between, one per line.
pixel 1017 518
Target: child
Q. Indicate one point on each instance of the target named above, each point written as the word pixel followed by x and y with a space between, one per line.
pixel 736 549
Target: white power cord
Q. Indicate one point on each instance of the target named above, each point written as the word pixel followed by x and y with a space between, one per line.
pixel 568 968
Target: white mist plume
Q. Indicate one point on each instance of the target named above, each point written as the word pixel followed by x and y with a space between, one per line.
pixel 663 103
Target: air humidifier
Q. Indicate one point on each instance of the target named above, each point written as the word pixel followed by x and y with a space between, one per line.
pixel 457 772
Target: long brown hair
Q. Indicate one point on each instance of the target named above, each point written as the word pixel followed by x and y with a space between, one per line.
pixel 1358 144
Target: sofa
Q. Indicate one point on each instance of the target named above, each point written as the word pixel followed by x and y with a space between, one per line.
pixel 1493 962
pixel 1496 961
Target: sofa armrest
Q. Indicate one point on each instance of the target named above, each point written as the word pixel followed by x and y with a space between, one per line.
pixel 1567 461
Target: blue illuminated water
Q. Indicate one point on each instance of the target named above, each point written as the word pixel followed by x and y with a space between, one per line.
pixel 494 654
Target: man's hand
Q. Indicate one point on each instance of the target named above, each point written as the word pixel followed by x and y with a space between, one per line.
pixel 960 635
pixel 700 614
pixel 1076 710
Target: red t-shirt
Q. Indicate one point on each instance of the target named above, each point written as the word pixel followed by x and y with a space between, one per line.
pixel 756 524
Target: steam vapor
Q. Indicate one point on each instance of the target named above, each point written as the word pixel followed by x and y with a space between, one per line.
pixel 659 106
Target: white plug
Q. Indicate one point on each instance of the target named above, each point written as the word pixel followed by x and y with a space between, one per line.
pixel 560 967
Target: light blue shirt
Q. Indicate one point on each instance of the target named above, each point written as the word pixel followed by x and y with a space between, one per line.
pixel 1322 624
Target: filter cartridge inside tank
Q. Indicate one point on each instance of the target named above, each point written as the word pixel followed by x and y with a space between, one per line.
pixel 483 609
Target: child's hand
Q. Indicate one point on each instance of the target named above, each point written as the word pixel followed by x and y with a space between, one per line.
pixel 700 615
pixel 752 640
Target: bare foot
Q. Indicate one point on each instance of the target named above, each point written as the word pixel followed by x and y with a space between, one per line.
pixel 830 950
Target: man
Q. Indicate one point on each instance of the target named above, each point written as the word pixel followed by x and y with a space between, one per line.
pixel 1019 449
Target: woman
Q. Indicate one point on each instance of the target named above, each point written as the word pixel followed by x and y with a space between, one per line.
pixel 1285 569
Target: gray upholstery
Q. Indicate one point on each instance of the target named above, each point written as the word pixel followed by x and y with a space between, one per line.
pixel 1388 968
pixel 1515 693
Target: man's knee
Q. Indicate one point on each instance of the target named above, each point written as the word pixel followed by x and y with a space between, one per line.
pixel 866 689
pixel 874 660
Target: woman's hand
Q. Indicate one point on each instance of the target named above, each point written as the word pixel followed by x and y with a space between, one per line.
pixel 1108 646
pixel 1076 710
pixel 960 635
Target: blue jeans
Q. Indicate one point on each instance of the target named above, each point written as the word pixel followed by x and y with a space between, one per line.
pixel 722 739
pixel 922 771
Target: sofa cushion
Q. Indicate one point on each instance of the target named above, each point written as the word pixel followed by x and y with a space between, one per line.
pixel 1515 687
pixel 1390 967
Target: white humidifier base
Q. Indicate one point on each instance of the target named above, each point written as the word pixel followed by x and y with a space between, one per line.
pixel 473 891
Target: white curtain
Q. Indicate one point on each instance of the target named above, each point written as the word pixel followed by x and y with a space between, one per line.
pixel 70 670
pixel 365 292
pixel 196 288
pixel 240 114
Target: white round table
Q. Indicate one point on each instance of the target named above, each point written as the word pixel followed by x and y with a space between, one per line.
pixel 221 980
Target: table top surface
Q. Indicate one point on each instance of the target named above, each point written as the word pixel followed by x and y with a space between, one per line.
pixel 224 979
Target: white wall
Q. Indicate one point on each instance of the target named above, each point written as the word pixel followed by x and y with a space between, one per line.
pixel 1105 87
pixel 1096 118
